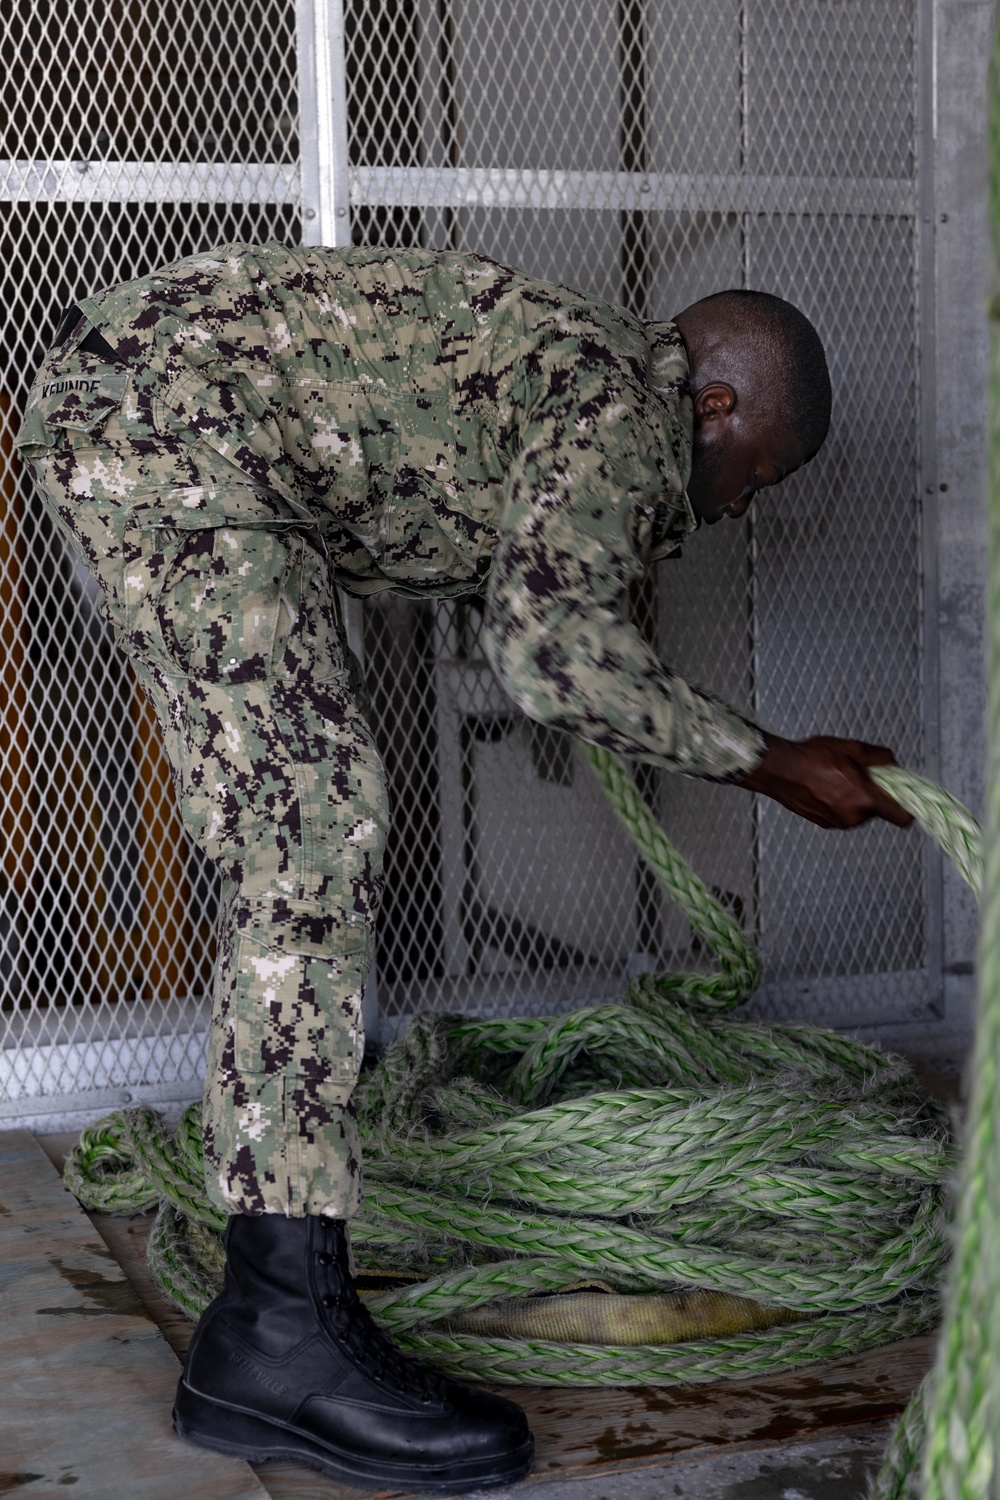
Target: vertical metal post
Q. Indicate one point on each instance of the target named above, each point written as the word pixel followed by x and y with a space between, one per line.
pixel 745 136
pixel 924 279
pixel 323 165
pixel 963 37
pixel 753 651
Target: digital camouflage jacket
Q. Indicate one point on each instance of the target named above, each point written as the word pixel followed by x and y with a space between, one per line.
pixel 447 426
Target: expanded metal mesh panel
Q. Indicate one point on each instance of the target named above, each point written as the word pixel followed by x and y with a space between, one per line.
pixel 653 154
pixel 649 152
pixel 837 565
pixel 138 112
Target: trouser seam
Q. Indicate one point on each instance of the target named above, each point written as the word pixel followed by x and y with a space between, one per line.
pixel 306 850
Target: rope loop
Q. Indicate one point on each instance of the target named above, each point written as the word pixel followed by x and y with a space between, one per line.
pixel 656 1148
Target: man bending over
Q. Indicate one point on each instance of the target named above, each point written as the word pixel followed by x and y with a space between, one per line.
pixel 225 441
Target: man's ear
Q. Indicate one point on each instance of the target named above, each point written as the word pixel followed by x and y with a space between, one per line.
pixel 714 403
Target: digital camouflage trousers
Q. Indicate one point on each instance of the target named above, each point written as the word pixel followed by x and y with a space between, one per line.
pixel 234 634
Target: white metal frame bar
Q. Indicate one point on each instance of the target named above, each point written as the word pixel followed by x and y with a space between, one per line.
pixel 326 188
pixel 323 189
pixel 513 187
pixel 148 182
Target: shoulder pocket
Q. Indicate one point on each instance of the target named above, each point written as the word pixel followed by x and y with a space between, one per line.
pixel 78 402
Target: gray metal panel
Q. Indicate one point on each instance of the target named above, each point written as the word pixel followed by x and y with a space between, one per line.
pixel 962 41
pixel 536 84
pixel 837 604
pixel 830 87
pixel 692 65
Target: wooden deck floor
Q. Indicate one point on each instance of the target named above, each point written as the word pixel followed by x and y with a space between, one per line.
pixel 88 1380
pixel 87 1359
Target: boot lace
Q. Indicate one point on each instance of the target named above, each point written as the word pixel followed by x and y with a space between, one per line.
pixel 361 1338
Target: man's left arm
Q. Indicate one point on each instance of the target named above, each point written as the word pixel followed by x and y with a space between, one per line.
pixel 576 528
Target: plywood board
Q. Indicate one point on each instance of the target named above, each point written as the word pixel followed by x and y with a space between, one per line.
pixel 88 1380
pixel 579 1433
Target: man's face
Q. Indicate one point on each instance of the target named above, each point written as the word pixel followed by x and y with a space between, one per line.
pixel 735 454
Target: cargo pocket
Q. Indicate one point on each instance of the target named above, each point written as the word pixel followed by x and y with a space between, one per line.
pixel 300 974
pixel 235 604
pixel 221 606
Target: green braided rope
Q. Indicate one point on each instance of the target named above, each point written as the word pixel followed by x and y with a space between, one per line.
pixel 945 1447
pixel 941 815
pixel 186 1259
pixel 614 1250
pixel 899 1477
pixel 960 1455
pixel 100 1170
pixel 723 934
pixel 656 1144
pixel 130 1158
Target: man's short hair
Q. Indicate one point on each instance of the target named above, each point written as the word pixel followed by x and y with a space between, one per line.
pixel 787 357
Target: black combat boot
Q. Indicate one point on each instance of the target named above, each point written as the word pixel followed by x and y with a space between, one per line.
pixel 287 1363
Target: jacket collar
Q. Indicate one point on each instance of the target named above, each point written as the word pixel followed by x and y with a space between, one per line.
pixel 668 377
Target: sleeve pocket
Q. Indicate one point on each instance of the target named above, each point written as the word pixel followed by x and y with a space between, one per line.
pixel 73 402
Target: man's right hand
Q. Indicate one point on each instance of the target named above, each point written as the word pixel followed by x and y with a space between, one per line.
pixel 824 779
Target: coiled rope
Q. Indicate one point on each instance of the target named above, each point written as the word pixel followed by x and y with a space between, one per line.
pixel 784 1164
pixel 792 1175
pixel 945 1446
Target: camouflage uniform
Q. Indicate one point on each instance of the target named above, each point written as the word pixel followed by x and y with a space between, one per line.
pixel 273 420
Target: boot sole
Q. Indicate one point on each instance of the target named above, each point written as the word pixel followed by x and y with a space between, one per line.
pixel 238 1433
